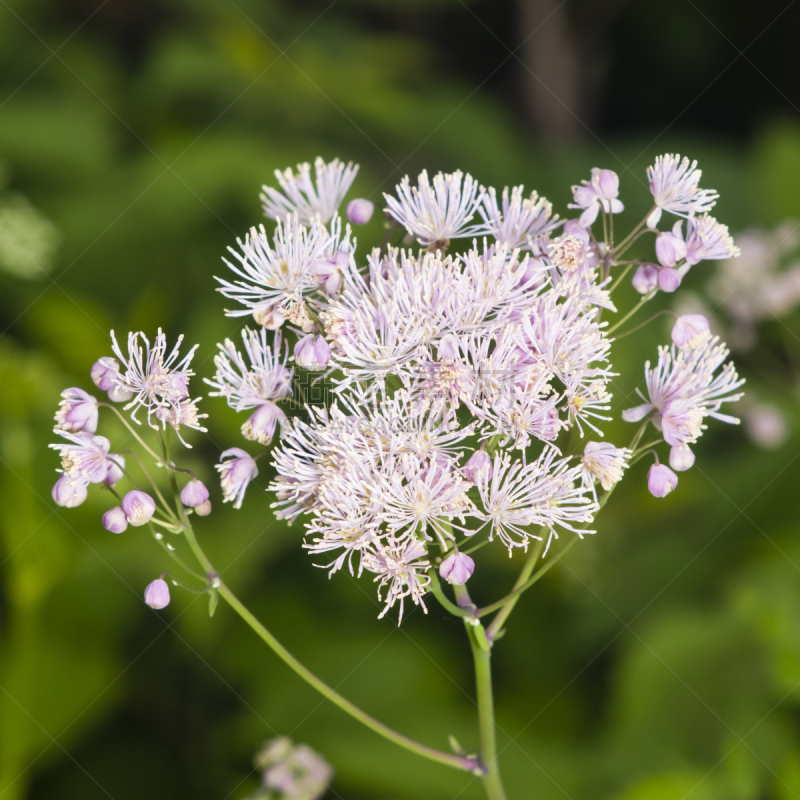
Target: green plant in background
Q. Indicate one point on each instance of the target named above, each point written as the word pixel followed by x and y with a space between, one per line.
pixel 457 391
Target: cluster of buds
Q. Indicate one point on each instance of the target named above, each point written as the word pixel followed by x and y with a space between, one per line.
pixel 457 382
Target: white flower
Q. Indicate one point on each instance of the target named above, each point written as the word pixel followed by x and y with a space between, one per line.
pixel 300 195
pixel 674 186
pixel 157 382
pixel 276 276
pixel 404 568
pixel 605 463
pixel 520 220
pixel 436 214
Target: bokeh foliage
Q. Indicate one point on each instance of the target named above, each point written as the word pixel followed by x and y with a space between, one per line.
pixel 660 661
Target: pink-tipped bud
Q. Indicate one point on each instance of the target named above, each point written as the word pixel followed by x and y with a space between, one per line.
pixel 670 249
pixel 194 493
pixel 69 493
pixel 457 568
pixel 260 426
pixel 312 353
pixel 114 520
pixel 681 457
pixel 116 394
pixel 359 211
pixel 645 279
pixel 479 463
pixel 139 507
pixel 115 472
pixel 668 279
pixel 204 509
pixel 77 411
pixel 103 372
pixel 690 331
pixel 661 480
pixel 156 595
pixel 269 315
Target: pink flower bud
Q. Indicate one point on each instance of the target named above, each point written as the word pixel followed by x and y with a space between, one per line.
pixel 103 372
pixel 645 279
pixel 312 352
pixel 236 474
pixel 681 457
pixel 260 426
pixel 114 520
pixel 156 595
pixel 670 248
pixel 204 509
pixel 479 462
pixel 139 507
pixel 359 211
pixel 116 394
pixel 457 568
pixel 668 279
pixel 661 480
pixel 194 494
pixel 114 473
pixel 690 331
pixel 69 493
pixel 77 411
pixel 606 183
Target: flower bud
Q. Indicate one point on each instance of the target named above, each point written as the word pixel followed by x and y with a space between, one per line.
pixel 260 426
pixel 194 493
pixel 681 457
pixel 103 372
pixel 77 411
pixel 359 211
pixel 114 520
pixel 670 249
pixel 645 279
pixel 204 509
pixel 668 279
pixel 116 394
pixel 457 568
pixel 236 474
pixel 139 507
pixel 479 462
pixel 69 493
pixel 312 352
pixel 156 595
pixel 115 473
pixel 269 315
pixel 690 331
pixel 661 480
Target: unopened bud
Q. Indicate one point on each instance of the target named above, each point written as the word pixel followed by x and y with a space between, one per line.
pixel 204 509
pixel 68 493
pixel 139 507
pixel 359 211
pixel 457 568
pixel 661 480
pixel 194 493
pixel 115 520
pixel 156 595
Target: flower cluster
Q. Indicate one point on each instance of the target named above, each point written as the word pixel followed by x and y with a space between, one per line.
pixel 430 399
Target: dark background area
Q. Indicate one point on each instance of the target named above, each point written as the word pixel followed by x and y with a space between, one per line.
pixel 660 661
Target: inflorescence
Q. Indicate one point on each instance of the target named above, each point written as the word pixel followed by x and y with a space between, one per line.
pixel 434 397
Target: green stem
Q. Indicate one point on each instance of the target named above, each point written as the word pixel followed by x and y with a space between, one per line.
pixel 514 595
pixel 629 239
pixel 631 312
pixel 443 599
pixel 458 762
pixel 132 431
pixel 481 655
pixel 508 606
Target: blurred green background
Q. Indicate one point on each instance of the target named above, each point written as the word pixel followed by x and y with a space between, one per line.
pixel 660 661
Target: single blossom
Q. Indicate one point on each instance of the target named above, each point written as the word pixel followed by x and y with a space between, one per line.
pixel 605 463
pixel 236 474
pixel 515 221
pixel 435 213
pixel 104 373
pixel 674 186
pixel 602 191
pixel 86 458
pixel 305 198
pixel 156 595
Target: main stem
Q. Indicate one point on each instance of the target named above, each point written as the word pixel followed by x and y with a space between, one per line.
pixel 481 655
pixel 451 760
